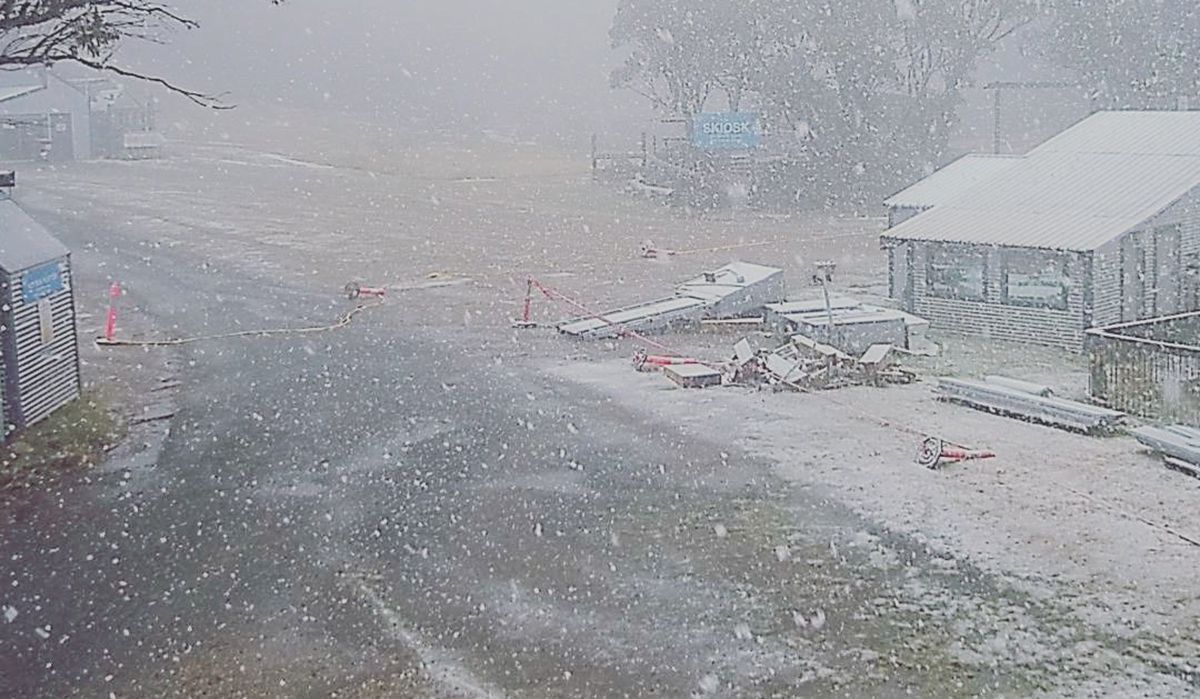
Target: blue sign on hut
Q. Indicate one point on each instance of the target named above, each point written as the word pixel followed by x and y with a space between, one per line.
pixel 39 357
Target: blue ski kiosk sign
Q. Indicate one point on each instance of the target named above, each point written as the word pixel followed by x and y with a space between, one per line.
pixel 40 282
pixel 725 131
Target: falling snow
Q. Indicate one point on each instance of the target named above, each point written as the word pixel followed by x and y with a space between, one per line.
pixel 335 443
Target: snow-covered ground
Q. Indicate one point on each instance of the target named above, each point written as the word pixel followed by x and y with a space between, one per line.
pixel 1082 534
pixel 1089 527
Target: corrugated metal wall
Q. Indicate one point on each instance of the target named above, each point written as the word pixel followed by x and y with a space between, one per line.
pixel 1137 276
pixel 1106 285
pixel 899 214
pixel 900 273
pixel 4 424
pixel 1186 213
pixel 1039 326
pixel 41 377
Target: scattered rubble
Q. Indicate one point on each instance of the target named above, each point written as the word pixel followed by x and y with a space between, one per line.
pixel 850 325
pixel 803 364
pixel 800 364
pixel 693 375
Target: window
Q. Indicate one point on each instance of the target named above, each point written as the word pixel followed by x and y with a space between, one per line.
pixel 956 273
pixel 1036 279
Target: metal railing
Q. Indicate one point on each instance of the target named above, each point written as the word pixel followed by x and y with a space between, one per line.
pixel 1149 368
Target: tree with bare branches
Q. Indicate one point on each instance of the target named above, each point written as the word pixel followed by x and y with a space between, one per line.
pixel 87 33
pixel 857 95
pixel 1130 54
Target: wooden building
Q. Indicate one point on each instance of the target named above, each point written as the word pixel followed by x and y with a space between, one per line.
pixel 43 117
pixel 943 185
pixel 1099 225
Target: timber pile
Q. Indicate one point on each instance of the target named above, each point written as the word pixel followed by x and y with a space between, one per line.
pixel 1002 399
pixel 1178 445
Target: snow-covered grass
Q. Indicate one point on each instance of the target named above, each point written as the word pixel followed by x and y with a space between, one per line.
pixel 75 436
pixel 1082 525
pixel 1075 527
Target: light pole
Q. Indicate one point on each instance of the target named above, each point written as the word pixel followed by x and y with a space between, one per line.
pixel 824 275
pixel 999 86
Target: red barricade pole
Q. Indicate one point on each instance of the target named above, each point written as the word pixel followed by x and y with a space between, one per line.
pixel 110 322
pixel 528 300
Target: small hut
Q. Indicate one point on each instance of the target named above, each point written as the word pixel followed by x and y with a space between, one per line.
pixel 38 348
pixel 1099 225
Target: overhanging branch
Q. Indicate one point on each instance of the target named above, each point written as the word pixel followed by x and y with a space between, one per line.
pixel 86 32
pixel 200 98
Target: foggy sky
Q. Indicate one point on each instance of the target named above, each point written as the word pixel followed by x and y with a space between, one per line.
pixel 537 68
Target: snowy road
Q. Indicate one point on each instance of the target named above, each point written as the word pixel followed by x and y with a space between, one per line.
pixel 411 506
pixel 380 509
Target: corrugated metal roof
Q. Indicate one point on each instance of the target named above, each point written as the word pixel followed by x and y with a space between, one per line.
pixel 11 93
pixel 950 181
pixel 24 243
pixel 733 276
pixel 1083 188
pixel 1145 133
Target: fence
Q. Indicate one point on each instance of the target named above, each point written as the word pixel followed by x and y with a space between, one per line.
pixel 1149 368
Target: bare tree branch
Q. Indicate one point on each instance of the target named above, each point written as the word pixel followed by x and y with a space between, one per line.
pixel 86 32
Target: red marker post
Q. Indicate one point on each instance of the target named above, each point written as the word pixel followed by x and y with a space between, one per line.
pixel 528 300
pixel 110 323
pixel 527 307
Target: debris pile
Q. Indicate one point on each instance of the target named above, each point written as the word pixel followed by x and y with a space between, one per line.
pixel 804 364
pixel 737 289
pixel 693 375
pixel 1002 398
pixel 1179 446
pixel 850 325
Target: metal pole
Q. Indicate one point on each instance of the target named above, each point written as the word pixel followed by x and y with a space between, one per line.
pixel 594 160
pixel 996 90
pixel 828 307
pixel 997 98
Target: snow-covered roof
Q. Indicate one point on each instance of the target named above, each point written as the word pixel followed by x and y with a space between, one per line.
pixel 733 276
pixel 1101 178
pixel 950 181
pixel 144 139
pixel 24 243
pixel 11 93
pixel 1132 133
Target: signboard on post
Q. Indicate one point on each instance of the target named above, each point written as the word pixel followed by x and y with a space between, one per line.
pixel 726 131
pixel 40 282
